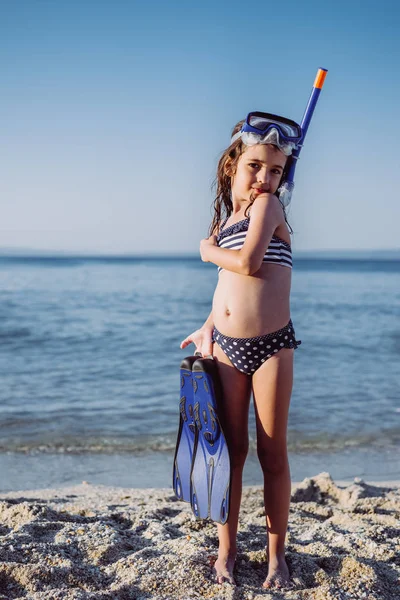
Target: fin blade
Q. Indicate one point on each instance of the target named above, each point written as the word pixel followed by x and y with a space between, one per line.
pixel 211 471
pixel 186 434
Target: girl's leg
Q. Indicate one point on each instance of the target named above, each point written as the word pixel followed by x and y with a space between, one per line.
pixel 272 387
pixel 236 387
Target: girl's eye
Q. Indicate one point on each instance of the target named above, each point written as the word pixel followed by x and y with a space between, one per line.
pixel 253 165
pixel 277 172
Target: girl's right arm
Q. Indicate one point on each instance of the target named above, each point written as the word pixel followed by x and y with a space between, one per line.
pixel 202 338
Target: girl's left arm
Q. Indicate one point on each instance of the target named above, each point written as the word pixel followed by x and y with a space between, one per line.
pixel 223 257
pixel 266 214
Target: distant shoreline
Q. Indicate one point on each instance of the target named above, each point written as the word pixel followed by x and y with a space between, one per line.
pixel 26 254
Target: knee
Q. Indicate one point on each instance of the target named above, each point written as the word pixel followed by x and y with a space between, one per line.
pixel 238 454
pixel 273 463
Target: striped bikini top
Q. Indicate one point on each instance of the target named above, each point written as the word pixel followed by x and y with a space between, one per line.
pixel 278 252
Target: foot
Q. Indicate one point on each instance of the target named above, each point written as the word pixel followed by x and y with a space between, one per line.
pixel 278 574
pixel 223 569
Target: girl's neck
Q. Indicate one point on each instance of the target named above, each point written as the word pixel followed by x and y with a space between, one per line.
pixel 239 207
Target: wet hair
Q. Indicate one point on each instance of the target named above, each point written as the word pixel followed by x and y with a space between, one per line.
pixel 227 164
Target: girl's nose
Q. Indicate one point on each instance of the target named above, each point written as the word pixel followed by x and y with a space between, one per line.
pixel 263 176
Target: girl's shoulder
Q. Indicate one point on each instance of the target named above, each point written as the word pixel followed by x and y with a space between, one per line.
pixel 266 201
pixel 269 204
pixel 270 207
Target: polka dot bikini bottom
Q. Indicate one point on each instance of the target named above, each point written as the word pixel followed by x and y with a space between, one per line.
pixel 248 354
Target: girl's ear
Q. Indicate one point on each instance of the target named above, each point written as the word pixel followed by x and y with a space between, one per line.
pixel 229 170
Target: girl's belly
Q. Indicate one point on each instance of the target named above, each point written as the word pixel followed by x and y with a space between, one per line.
pixel 247 306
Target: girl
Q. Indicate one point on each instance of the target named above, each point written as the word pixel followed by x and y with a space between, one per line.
pixel 249 330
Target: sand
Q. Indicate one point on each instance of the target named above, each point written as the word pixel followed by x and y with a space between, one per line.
pixel 97 542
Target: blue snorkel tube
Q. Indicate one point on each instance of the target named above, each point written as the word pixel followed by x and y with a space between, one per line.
pixel 286 189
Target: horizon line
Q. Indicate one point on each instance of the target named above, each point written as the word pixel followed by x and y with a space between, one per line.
pixel 18 252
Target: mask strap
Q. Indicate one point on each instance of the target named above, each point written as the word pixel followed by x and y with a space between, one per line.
pixel 236 137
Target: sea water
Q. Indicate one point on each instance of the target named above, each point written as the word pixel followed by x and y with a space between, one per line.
pixel 89 367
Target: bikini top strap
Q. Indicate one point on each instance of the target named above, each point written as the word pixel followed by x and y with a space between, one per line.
pixel 223 224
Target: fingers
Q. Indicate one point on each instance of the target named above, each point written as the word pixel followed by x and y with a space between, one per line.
pixel 208 350
pixel 203 343
pixel 185 343
pixel 201 352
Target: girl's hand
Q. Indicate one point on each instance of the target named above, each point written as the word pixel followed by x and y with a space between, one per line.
pixel 202 339
pixel 205 244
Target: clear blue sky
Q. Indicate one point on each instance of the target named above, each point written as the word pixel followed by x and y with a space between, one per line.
pixel 114 114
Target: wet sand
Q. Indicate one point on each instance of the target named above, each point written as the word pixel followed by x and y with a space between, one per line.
pixel 108 543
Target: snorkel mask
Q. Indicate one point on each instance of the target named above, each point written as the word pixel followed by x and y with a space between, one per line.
pixel 265 128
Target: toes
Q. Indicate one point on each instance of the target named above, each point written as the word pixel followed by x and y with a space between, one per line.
pixel 219 578
pixel 225 579
pixel 278 584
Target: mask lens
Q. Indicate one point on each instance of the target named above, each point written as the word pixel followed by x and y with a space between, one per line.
pixel 288 130
pixel 262 123
pixel 271 137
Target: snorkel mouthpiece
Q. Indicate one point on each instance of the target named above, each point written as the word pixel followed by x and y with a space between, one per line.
pixel 285 192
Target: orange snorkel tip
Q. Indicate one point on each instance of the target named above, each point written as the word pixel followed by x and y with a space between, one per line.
pixel 320 78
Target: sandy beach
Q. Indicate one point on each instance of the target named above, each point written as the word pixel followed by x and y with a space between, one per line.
pixel 97 542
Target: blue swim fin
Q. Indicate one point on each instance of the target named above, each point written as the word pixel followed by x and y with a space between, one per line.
pixel 186 433
pixel 211 472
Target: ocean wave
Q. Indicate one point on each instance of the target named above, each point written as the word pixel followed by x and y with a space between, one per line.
pixel 14 333
pixel 297 443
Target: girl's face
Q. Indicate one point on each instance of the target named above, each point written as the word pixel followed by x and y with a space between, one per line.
pixel 259 170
